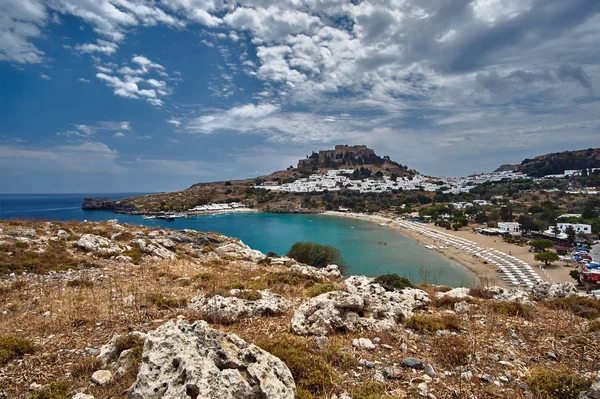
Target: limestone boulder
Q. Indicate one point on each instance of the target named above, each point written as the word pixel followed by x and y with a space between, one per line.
pixel 510 295
pixel 457 293
pixel 594 391
pixel 236 249
pixel 239 304
pixel 365 305
pixel 183 360
pixel 329 271
pixel 98 244
pixel 153 249
pixel 548 291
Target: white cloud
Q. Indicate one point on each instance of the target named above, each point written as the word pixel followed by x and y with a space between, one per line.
pixel 45 77
pixel 21 21
pixel 240 118
pixel 119 134
pixel 132 85
pixel 175 122
pixel 83 80
pixel 101 46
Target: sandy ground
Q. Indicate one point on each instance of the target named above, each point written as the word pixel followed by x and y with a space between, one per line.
pixel 486 273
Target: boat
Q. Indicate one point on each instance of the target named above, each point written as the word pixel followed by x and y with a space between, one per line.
pixel 148 217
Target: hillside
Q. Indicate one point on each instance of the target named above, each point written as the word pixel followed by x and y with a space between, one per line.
pixel 342 157
pixel 111 311
pixel 558 162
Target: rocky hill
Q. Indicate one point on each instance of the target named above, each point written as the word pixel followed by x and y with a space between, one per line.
pixel 350 157
pixel 103 310
pixel 343 156
pixel 558 162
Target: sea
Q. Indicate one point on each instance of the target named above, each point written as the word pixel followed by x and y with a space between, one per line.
pixel 367 248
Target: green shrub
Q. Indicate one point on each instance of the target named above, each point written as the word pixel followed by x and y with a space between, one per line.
pixel 581 306
pixel 316 255
pixel 481 293
pixel 13 346
pixel 133 342
pixel 162 302
pixel 80 283
pixel 56 390
pixel 264 261
pixel 393 282
pixel 55 257
pixel 135 254
pixel 249 295
pixel 555 383
pixel 422 323
pixel 319 289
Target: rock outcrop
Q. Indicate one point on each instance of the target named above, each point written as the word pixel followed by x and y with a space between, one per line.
pixel 547 291
pixel 153 249
pixel 228 309
pixel 366 305
pixel 104 204
pixel 236 249
pixel 594 391
pixel 183 360
pixel 98 244
pixel 329 271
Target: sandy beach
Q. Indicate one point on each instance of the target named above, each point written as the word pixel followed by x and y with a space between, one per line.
pixel 486 272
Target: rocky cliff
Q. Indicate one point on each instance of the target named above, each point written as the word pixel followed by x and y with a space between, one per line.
pixel 104 204
pixel 345 156
pixel 104 310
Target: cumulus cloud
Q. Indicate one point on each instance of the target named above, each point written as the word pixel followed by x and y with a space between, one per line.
pixel 101 46
pixel 119 135
pixel 133 85
pixel 21 21
pixel 45 77
pixel 241 118
pixel 174 122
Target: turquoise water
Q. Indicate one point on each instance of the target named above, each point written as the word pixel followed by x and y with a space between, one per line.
pixel 359 241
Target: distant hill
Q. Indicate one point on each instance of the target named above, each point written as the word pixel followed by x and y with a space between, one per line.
pixel 342 157
pixel 556 163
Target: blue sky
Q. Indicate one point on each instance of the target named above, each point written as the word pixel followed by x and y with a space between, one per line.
pixel 156 95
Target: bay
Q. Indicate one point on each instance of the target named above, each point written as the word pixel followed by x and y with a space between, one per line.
pixel 367 248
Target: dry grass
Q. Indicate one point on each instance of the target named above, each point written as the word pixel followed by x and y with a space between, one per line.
pixel 580 306
pixel 86 367
pixel 511 309
pixel 452 350
pixel 163 302
pixel 320 288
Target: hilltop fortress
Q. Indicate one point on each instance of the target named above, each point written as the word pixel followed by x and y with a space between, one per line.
pixel 345 155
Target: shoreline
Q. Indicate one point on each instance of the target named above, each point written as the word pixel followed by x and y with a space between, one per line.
pixel 483 273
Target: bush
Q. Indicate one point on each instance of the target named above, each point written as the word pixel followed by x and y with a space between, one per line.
pixel 423 323
pixel 162 302
pixel 316 255
pixel 13 346
pixel 555 383
pixel 135 254
pixel 129 341
pixel 393 282
pixel 249 295
pixel 585 307
pixel 55 257
pixel 319 289
pixel 56 390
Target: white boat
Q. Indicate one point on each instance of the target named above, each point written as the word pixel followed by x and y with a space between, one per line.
pixel 148 217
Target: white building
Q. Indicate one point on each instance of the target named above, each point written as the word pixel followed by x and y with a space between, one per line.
pixel 578 227
pixel 509 227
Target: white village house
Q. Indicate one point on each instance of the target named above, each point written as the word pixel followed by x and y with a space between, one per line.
pixel 578 227
pixel 509 227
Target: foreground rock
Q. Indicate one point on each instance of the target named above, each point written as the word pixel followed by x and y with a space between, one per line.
pixel 98 244
pixel 240 304
pixel 183 360
pixel 236 249
pixel 594 391
pixel 366 305
pixel 153 249
pixel 329 271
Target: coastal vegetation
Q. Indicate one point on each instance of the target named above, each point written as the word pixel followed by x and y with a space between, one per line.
pixel 316 255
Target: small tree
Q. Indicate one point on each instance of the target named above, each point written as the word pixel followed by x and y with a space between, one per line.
pixel 542 245
pixel 547 257
pixel 570 231
pixel 316 255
